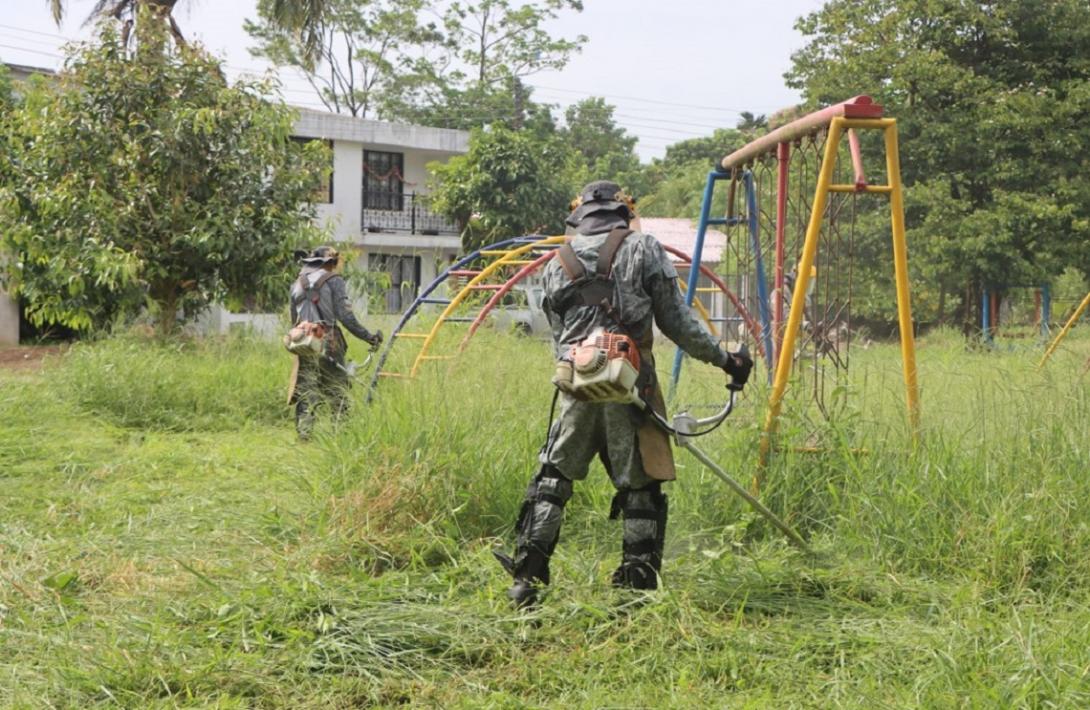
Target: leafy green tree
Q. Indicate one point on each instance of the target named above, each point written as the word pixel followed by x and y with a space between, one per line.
pixel 990 100
pixel 606 149
pixel 497 40
pixel 510 183
pixel 304 18
pixel 372 55
pixel 146 179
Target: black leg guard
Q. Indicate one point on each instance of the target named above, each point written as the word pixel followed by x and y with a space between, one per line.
pixel 644 512
pixel 538 529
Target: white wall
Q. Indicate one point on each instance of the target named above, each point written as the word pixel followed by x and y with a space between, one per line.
pixel 9 320
pixel 343 216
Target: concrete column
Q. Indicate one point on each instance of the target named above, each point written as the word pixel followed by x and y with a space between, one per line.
pixel 9 320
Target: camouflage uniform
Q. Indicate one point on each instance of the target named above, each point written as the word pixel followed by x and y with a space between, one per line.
pixel 323 379
pixel 634 451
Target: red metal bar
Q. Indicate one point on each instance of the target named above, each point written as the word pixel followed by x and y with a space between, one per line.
pixel 783 156
pixel 538 262
pixel 501 292
pixel 857 107
pixel 857 161
pixel 464 272
pixel 485 287
pixel 753 326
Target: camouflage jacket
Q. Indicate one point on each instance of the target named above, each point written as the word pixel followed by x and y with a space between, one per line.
pixel 333 303
pixel 645 290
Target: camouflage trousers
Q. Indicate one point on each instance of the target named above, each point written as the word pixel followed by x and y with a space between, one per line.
pixel 582 431
pixel 320 382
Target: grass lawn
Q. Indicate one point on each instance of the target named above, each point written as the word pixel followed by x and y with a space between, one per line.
pixel 165 542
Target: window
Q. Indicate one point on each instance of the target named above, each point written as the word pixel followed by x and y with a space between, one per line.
pixel 404 279
pixel 323 194
pixel 383 176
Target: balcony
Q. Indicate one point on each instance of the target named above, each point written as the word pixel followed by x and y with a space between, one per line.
pixel 402 213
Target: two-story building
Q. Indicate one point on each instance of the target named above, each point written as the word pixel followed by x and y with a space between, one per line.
pixel 376 203
pixel 373 203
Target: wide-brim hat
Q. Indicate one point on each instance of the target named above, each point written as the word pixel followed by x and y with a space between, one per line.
pixel 320 255
pixel 599 196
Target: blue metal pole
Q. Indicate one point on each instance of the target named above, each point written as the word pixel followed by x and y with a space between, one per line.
pixel 762 282
pixel 985 315
pixel 694 266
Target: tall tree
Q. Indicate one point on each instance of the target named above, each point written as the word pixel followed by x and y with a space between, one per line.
pixel 304 18
pixel 128 13
pixel 371 56
pixel 991 100
pixel 607 149
pixel 497 40
pixel 145 180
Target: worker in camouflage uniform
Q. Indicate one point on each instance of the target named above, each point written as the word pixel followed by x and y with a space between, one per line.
pixel 320 295
pixel 635 452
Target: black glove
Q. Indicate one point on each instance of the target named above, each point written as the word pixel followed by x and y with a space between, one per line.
pixel 376 339
pixel 738 366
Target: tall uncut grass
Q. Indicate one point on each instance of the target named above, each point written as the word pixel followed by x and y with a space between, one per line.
pixel 165 541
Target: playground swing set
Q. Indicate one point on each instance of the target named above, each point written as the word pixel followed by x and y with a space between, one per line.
pixel 788 270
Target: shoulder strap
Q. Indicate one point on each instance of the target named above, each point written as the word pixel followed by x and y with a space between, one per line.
pixel 609 250
pixel 573 267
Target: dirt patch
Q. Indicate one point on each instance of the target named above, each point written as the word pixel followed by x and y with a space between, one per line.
pixel 27 358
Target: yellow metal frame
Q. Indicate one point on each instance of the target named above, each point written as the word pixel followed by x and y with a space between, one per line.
pixel 507 257
pixel 1065 330
pixel 837 128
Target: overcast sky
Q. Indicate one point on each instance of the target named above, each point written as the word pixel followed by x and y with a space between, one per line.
pixel 675 69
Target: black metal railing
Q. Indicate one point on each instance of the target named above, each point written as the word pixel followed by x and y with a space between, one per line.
pixel 402 212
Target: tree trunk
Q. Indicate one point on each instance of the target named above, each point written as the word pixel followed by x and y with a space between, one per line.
pixel 165 296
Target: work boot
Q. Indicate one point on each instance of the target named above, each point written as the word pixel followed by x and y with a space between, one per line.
pixel 523 594
pixel 531 573
pixel 635 575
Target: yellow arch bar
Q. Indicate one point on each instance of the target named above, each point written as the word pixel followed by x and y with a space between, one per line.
pixel 701 309
pixel 508 257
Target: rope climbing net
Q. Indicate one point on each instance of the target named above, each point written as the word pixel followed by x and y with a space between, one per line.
pixel 792 252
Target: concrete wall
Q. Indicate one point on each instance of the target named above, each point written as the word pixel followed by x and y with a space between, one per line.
pixel 9 320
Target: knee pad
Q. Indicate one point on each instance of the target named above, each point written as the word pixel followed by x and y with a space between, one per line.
pixel 645 512
pixel 539 519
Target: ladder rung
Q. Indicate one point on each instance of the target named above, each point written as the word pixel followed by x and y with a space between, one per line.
pixel 460 319
pixel 486 287
pixel 495 252
pixel 881 189
pixel 436 301
pixel 410 335
pixel 518 262
pixel 392 374
pixel 464 272
pixel 708 289
pixel 436 357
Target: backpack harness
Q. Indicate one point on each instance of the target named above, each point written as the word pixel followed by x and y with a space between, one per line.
pixel 606 366
pixel 310 338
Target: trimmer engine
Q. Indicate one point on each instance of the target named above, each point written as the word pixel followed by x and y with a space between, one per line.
pixel 603 368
